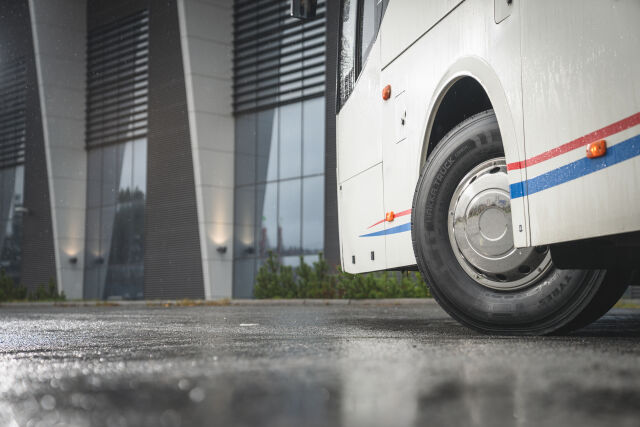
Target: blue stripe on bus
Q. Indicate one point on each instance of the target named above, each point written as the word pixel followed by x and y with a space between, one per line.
pixel 392 230
pixel 585 166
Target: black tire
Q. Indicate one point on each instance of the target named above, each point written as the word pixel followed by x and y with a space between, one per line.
pixel 552 303
pixel 610 292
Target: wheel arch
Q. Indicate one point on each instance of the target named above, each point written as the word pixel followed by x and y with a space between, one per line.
pixel 508 110
pixel 470 86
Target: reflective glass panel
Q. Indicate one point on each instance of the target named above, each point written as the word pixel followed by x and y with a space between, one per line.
pixel 313 214
pixel 273 209
pixel 267 146
pixel 290 140
pixel 139 168
pixel 289 217
pixel 114 257
pixel 313 136
pixel 267 218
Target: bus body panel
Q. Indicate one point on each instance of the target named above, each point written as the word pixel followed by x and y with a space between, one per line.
pixel 419 78
pixel 359 146
pixel 422 74
pixel 361 197
pixel 410 20
pixel 581 69
pixel 474 38
pixel 359 171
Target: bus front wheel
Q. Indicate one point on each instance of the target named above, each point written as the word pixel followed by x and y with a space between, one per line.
pixel 463 242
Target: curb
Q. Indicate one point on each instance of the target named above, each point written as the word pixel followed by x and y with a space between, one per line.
pixel 623 303
pixel 222 303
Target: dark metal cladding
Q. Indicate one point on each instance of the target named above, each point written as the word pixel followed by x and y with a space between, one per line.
pixel 117 80
pixel 331 239
pixel 277 59
pixel 172 261
pixel 172 258
pixel 22 140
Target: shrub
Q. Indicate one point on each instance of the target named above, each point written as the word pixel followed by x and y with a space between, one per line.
pixel 9 291
pixel 47 293
pixel 317 281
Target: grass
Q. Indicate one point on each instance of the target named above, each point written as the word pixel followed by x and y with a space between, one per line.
pixel 626 304
pixel 186 302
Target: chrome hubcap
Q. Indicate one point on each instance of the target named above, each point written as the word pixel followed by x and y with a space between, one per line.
pixel 481 235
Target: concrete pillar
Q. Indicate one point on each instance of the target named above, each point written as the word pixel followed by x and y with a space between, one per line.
pixel 59 39
pixel 206 32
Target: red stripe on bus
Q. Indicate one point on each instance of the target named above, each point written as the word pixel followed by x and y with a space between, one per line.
pixel 612 129
pixel 379 222
pixel 403 213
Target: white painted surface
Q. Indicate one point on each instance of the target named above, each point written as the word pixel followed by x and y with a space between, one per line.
pixel 59 38
pixel 358 125
pixel 421 62
pixel 554 71
pixel 581 64
pixel 362 195
pixel 207 37
pixel 411 19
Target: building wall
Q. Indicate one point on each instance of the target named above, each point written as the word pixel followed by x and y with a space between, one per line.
pixel 59 32
pixel 206 36
pixel 279 76
pixel 172 259
pixel 331 237
pixel 194 119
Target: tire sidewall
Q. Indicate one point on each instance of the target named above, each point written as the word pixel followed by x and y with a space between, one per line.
pixel 554 300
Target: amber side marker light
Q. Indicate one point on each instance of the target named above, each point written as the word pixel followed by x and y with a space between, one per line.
pixel 386 92
pixel 597 149
pixel 390 216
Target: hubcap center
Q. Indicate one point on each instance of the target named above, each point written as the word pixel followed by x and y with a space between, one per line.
pixel 493 224
pixel 488 221
pixel 481 233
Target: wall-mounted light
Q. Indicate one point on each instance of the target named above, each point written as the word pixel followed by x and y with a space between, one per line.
pixel 22 210
pixel 73 260
pixel 221 249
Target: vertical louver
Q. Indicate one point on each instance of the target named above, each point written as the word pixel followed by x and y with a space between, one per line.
pixel 277 59
pixel 117 76
pixel 12 113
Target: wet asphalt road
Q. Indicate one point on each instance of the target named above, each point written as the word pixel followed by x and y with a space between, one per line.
pixel 378 365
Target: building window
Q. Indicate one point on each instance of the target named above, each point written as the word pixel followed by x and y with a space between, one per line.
pixel 279 107
pixel 277 59
pixel 12 152
pixel 279 202
pixel 117 98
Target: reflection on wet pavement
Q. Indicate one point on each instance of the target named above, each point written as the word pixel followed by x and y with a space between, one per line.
pixel 404 365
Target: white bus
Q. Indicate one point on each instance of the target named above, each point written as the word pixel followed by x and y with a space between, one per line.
pixel 495 146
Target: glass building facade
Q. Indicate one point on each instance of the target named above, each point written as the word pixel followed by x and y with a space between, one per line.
pixel 279 187
pixel 115 221
pixel 12 183
pixel 117 98
pixel 12 153
pixel 163 149
pixel 279 106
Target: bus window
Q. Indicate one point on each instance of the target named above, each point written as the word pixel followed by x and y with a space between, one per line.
pixel 359 27
pixel 368 28
pixel 349 14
